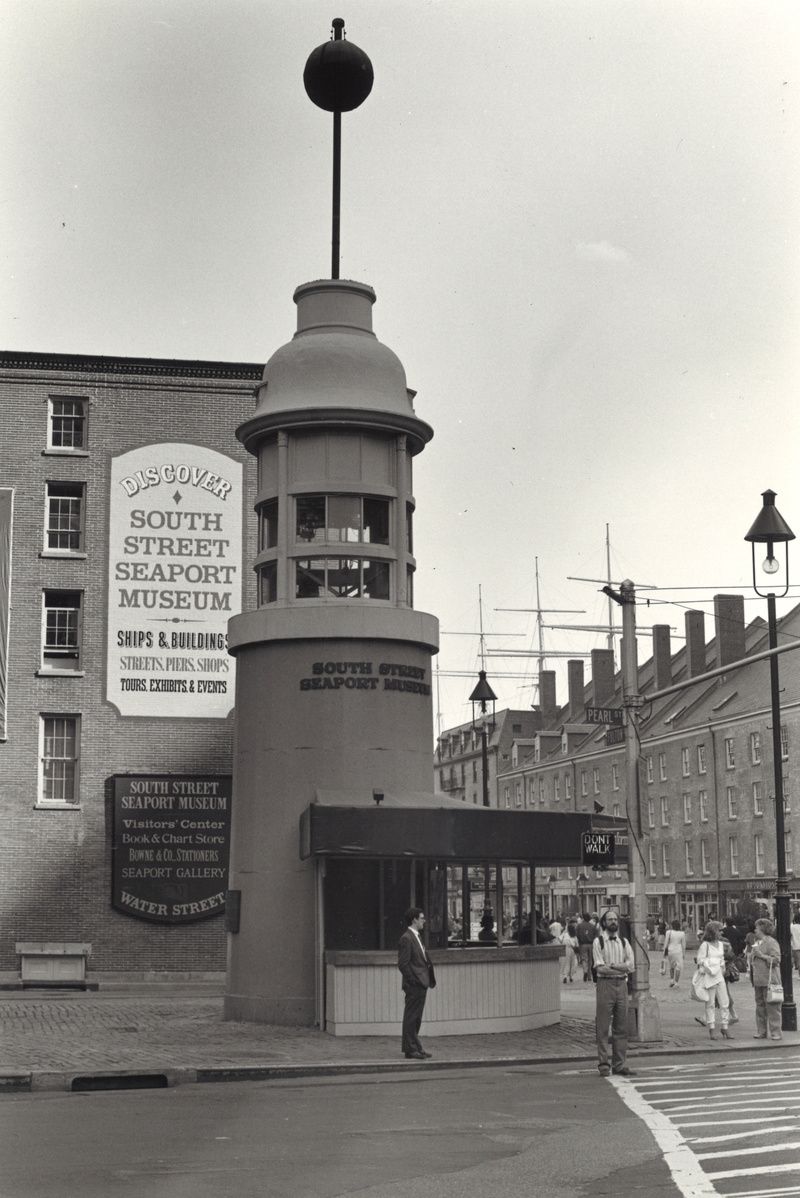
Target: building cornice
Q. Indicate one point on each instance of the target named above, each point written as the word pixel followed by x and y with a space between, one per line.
pixel 12 360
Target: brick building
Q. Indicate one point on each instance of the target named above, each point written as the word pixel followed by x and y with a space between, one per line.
pixel 125 539
pixel 706 777
pixel 458 765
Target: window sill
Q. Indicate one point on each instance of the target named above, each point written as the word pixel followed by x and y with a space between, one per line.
pixel 59 452
pixel 64 553
pixel 42 806
pixel 60 673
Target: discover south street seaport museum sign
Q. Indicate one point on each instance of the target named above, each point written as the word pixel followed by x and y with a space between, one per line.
pixel 171 845
pixel 174 580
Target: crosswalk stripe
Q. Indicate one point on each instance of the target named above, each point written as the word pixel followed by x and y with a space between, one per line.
pixel 741 1135
pixel 789 1167
pixel 783 1192
pixel 728 1122
pixel 758 1151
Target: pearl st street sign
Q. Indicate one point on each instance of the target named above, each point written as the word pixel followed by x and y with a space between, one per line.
pixel 604 715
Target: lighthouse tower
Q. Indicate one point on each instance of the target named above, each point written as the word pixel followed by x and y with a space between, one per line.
pixel 333 679
pixel 334 667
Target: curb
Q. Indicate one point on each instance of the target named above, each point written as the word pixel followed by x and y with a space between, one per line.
pixel 75 1081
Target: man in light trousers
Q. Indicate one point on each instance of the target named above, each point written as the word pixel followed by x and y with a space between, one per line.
pixel 613 962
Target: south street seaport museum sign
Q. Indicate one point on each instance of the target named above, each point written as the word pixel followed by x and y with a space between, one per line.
pixel 171 846
pixel 174 580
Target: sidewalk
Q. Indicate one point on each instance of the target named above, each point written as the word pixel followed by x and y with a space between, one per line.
pixel 173 1034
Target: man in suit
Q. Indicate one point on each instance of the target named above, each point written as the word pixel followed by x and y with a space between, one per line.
pixel 418 979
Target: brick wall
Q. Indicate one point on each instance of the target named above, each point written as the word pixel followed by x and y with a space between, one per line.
pixel 56 864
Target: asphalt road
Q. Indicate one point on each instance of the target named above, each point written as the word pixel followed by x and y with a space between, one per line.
pixel 492 1133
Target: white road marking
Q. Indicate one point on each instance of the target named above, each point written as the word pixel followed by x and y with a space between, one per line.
pixel 758 1151
pixel 682 1163
pixel 790 1167
pixel 740 1135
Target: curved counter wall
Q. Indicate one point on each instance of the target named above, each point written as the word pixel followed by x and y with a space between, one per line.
pixel 478 990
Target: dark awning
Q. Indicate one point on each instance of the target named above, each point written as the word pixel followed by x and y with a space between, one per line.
pixel 456 833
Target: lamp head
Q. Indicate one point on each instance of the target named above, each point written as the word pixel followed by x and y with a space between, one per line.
pixel 769 528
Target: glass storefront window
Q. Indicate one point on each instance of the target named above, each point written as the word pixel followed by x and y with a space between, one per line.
pixel 267 583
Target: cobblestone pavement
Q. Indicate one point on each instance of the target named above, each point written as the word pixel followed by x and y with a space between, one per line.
pixel 68 1032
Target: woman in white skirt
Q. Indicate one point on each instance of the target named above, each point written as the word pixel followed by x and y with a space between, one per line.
pixel 674 950
pixel 711 964
pixel 570 941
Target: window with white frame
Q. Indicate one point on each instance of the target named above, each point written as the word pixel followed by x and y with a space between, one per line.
pixel 733 854
pixel 66 429
pixel 651 854
pixel 705 867
pixel 615 811
pixel 787 849
pixel 787 806
pixel 665 811
pixel 64 517
pixel 651 813
pixel 733 802
pixel 758 852
pixel 687 808
pixel 687 858
pixel 614 776
pixel 59 738
pixel 61 630
pixel 701 759
pixel 662 766
pixel 556 789
pixel 649 766
pixel 702 797
pixel 730 756
pixel 596 779
pixel 541 790
pixel 665 860
pixel 755 748
pixel 758 798
pixel 568 786
pixel 475 771
pixel 518 793
pixel 685 762
pixel 784 743
pixel 506 796
pixel 584 784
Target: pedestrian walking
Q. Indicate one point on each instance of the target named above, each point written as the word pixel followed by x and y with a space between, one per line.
pixel 794 932
pixel 613 962
pixel 765 962
pixel 711 972
pixel 586 931
pixel 418 979
pixel 674 951
pixel 570 942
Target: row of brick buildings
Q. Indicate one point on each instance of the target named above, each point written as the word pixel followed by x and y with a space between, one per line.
pixel 706 771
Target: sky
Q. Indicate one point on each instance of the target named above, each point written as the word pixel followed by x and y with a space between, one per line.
pixel 581 220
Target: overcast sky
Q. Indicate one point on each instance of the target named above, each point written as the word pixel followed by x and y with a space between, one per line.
pixel 581 219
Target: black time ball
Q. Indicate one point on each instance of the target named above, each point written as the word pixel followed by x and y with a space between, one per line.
pixel 338 76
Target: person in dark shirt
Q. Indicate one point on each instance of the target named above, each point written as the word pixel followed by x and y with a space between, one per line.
pixel 586 931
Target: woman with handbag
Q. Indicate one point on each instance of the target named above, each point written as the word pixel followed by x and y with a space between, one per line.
pixel 711 975
pixel 765 963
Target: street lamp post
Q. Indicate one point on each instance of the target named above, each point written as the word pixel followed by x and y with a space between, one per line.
pixel 481 696
pixel 771 529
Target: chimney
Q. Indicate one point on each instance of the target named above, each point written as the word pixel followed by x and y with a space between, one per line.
pixel 547 697
pixel 729 628
pixel 602 677
pixel 577 702
pixel 662 657
pixel 695 643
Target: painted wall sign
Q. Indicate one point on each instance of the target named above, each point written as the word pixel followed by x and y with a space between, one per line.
pixel 366 676
pixel 170 846
pixel 174 580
